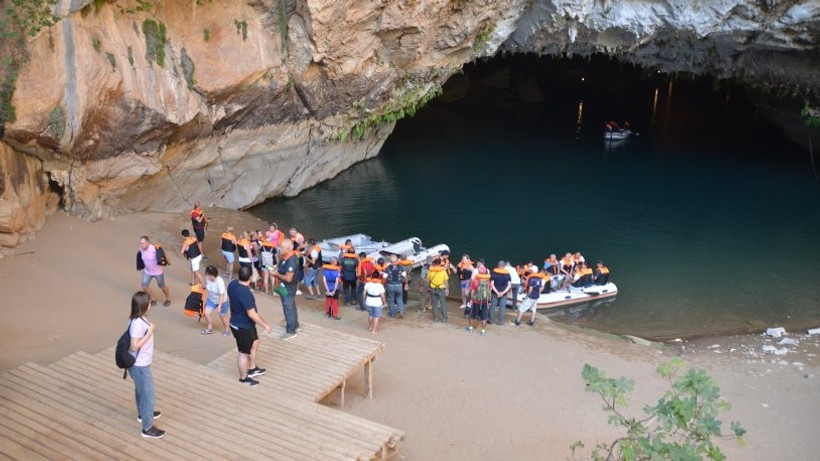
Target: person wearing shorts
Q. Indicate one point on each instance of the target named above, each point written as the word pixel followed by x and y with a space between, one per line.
pixel 374 301
pixel 216 299
pixel 228 246
pixel 152 270
pixel 193 253
pixel 534 283
pixel 199 222
pixel 244 319
pixel 479 303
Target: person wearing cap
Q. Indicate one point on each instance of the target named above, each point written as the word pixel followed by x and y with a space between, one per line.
pixel 500 285
pixel 601 274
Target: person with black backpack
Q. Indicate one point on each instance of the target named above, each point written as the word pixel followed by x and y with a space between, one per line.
pixel 141 331
pixel 150 260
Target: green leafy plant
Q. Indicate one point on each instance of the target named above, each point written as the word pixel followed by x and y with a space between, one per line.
pixel 404 103
pixel 142 6
pixel 683 425
pixel 482 39
pixel 27 17
pixel 155 41
pixel 96 43
pixel 206 34
pixel 811 116
pixel 56 121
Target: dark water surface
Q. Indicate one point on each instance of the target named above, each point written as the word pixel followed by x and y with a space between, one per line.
pixel 709 219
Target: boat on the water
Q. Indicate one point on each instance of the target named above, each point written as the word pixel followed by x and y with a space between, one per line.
pixel 410 248
pixel 557 297
pixel 617 134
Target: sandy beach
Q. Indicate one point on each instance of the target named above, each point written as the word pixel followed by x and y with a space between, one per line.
pixel 516 393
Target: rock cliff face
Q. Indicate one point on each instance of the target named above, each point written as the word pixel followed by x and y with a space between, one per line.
pixel 137 105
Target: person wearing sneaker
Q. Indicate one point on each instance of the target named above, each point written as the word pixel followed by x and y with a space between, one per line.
pixel 217 299
pixel 313 259
pixel 244 319
pixel 142 348
pixel 396 277
pixel 534 283
pixel 286 273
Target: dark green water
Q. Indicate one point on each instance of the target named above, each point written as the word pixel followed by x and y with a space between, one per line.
pixel 709 219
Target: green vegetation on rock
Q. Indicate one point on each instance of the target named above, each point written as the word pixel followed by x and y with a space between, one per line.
pixel 188 69
pixel 681 426
pixel 282 19
pixel 404 103
pixel 7 111
pixel 811 116
pixel 241 28
pixel 56 121
pixel 96 43
pixel 111 60
pixel 206 34
pixel 27 17
pixel 155 41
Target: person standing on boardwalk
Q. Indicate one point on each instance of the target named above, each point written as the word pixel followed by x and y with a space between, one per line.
pixel 228 246
pixel 438 281
pixel 244 319
pixel 332 280
pixel 374 301
pixel 396 277
pixel 152 270
pixel 199 222
pixel 216 300
pixel 500 282
pixel 142 348
pixel 193 253
pixel 286 273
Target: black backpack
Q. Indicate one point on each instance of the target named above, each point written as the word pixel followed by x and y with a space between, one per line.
pixel 122 357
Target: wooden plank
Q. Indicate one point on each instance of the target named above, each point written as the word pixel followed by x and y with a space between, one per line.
pixel 27 439
pixel 216 422
pixel 196 387
pixel 93 412
pixel 88 420
pixel 78 442
pixel 14 450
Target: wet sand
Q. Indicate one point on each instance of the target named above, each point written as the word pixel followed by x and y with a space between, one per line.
pixel 516 393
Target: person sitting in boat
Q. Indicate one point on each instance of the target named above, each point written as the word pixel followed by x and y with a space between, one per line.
pixel 601 274
pixel 348 246
pixel 577 259
pixel 567 265
pixel 583 276
pixel 551 265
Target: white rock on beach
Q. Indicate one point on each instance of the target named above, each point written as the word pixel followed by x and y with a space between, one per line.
pixel 788 341
pixel 775 332
pixel 774 350
pixel 813 331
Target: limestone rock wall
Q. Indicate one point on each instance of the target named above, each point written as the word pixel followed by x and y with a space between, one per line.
pixel 152 105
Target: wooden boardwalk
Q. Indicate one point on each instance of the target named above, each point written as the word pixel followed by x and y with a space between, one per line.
pixel 80 408
pixel 312 365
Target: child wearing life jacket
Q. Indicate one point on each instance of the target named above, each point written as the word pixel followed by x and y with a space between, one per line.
pixel 332 281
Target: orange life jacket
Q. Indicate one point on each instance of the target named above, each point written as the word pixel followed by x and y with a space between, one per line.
pixel 193 248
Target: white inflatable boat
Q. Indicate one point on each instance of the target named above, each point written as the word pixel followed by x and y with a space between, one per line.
pixel 557 297
pixel 411 248
pixel 361 242
pixel 617 135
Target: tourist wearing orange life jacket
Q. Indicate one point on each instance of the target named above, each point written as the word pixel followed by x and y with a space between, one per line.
pixel 228 246
pixel 345 247
pixel 267 253
pixel 500 284
pixel 313 261
pixel 534 285
pixel 364 272
pixel 465 270
pixel 191 251
pixel 299 247
pixel 479 304
pixel 582 277
pixel 601 274
pixel 515 284
pixel 438 281
pixel 551 265
pixel 349 264
pixel 407 263
pixel 199 222
pixel 374 301
pixel 332 281
pixel 244 250
pixel 567 265
pixel 396 277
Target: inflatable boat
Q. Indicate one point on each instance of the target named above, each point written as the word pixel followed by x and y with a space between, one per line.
pixel 557 297
pixel 411 248
pixel 617 135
